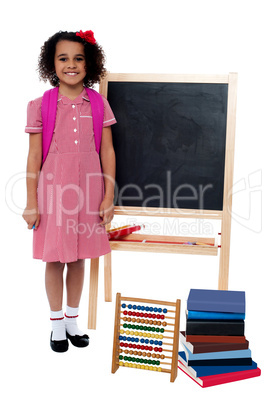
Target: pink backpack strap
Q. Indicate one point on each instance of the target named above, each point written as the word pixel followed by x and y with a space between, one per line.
pixel 97 106
pixel 49 111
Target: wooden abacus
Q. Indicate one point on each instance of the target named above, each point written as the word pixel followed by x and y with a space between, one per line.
pixel 145 336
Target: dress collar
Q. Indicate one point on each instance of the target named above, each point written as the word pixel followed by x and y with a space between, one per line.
pixel 80 98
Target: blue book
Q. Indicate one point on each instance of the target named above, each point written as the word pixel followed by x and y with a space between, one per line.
pixel 230 354
pixel 226 358
pixel 211 315
pixel 203 371
pixel 225 301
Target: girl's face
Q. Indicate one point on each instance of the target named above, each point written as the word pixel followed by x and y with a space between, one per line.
pixel 70 65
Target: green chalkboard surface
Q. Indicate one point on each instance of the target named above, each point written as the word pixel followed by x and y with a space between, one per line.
pixel 169 142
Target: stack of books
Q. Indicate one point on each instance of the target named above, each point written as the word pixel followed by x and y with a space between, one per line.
pixel 216 350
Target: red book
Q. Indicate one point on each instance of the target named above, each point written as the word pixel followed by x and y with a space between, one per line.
pixel 217 379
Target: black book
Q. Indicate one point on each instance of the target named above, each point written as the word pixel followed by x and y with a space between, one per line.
pixel 212 327
pixel 246 361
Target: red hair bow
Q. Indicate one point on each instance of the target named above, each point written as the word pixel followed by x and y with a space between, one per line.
pixel 88 36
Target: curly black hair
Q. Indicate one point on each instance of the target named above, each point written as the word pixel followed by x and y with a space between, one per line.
pixel 94 57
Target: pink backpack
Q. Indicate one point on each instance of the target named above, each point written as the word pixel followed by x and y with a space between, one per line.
pixel 49 111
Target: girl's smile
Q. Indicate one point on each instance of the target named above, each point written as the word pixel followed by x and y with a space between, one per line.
pixel 70 66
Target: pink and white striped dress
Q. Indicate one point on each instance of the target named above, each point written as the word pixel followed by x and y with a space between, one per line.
pixel 70 186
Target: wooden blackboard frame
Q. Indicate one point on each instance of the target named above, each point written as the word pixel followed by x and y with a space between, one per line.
pixel 224 216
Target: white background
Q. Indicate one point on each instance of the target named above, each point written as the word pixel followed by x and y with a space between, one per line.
pixel 214 37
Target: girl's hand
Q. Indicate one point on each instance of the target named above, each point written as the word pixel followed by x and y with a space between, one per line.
pixel 31 216
pixel 106 211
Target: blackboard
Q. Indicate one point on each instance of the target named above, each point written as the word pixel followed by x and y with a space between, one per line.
pixel 169 142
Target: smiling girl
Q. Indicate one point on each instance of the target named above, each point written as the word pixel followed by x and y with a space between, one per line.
pixel 74 180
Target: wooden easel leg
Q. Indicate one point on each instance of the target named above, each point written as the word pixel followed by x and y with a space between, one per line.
pixel 108 277
pixel 93 290
pixel 224 264
pixel 228 183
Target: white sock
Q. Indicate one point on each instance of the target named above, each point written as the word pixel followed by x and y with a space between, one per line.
pixel 70 321
pixel 58 325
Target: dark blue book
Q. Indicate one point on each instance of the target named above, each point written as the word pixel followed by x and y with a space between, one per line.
pixel 202 371
pixel 226 301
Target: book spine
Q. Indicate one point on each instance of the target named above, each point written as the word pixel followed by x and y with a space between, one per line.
pixel 215 339
pixel 208 315
pixel 203 371
pixel 226 354
pixel 210 327
pixel 217 347
pixel 219 379
pixel 221 362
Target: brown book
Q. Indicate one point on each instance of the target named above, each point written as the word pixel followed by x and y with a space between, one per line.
pixel 215 339
pixel 204 347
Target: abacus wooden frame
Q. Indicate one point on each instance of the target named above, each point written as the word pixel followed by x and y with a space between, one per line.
pixel 174 360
